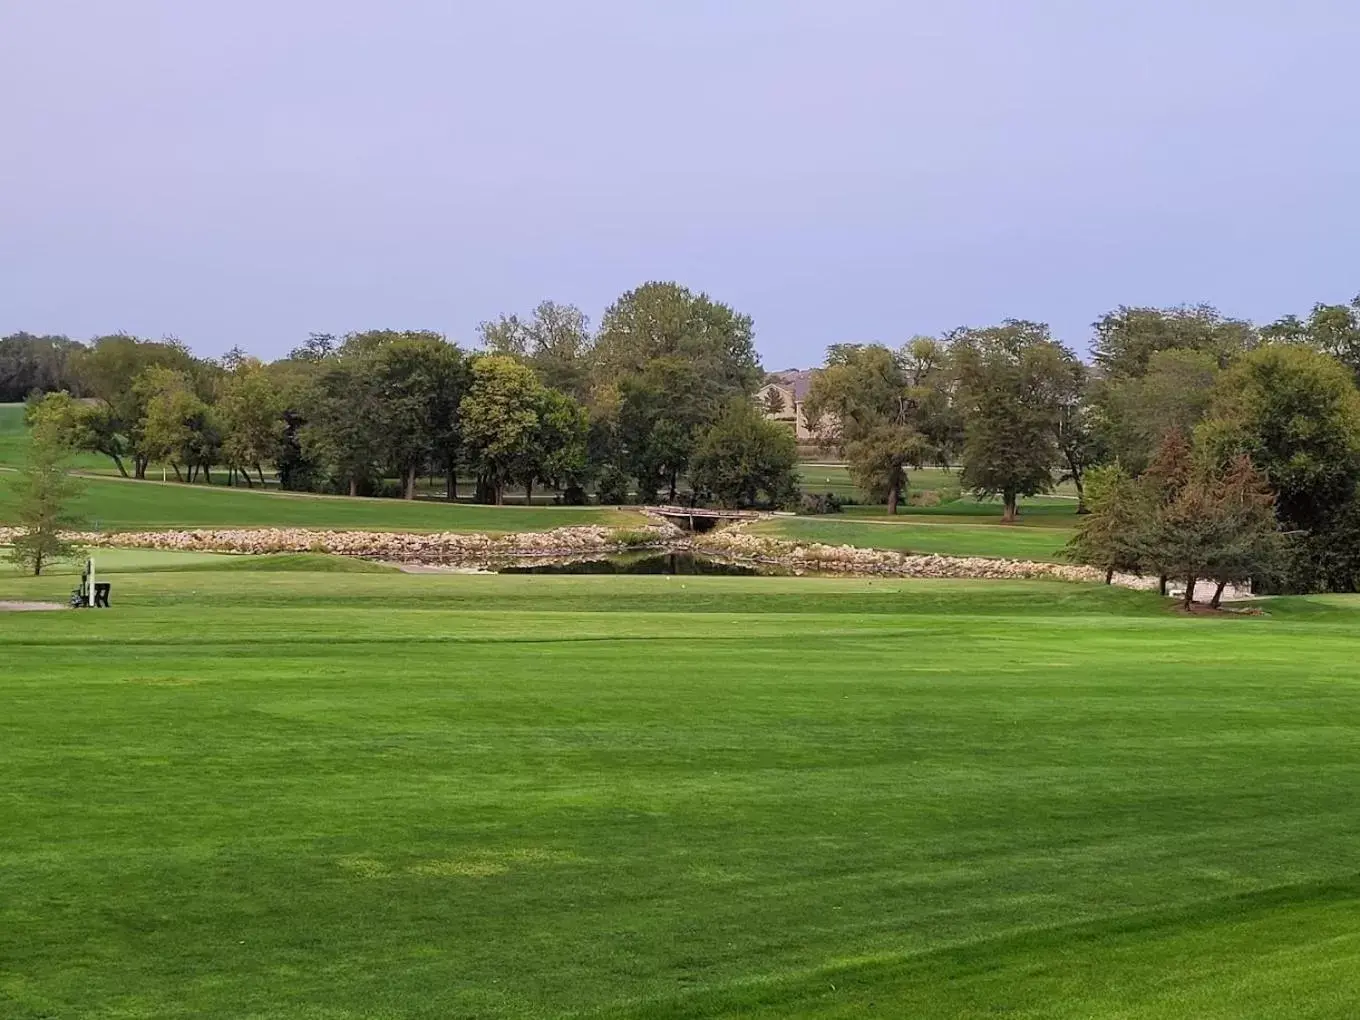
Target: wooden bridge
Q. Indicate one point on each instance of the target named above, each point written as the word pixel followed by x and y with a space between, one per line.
pixel 700 518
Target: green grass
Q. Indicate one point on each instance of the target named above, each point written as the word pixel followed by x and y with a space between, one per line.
pixel 120 505
pixel 827 476
pixel 1039 538
pixel 285 794
pixel 14 442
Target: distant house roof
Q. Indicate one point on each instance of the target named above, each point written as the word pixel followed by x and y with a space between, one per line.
pixel 797 379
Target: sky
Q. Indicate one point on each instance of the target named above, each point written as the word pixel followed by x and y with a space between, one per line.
pixel 244 172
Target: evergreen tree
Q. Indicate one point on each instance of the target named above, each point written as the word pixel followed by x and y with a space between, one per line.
pixel 44 492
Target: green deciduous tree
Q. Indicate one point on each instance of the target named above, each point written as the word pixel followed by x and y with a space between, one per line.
pixel 1127 338
pixel 108 370
pixel 45 489
pixel 173 418
pixel 1012 379
pixel 559 453
pixel 36 364
pixel 418 381
pixel 342 432
pixel 890 408
pixel 665 320
pixel 1295 413
pixel 250 409
pixel 556 341
pixel 744 459
pixel 660 414
pixel 1132 413
pixel 500 418
pixel 1332 329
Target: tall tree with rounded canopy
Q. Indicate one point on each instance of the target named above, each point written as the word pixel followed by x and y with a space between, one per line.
pixel 108 370
pixel 251 411
pixel 500 417
pixel 744 457
pixel 659 320
pixel 886 406
pixel 173 416
pixel 555 340
pixel 1127 338
pixel 1011 384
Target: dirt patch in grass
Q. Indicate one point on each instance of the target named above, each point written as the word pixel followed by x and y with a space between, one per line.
pixel 29 607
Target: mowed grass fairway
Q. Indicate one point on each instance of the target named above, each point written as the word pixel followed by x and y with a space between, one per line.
pixel 269 791
pixel 123 505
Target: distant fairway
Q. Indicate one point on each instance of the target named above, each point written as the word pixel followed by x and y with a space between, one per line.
pixel 13 440
pixel 952 536
pixel 255 788
pixel 120 505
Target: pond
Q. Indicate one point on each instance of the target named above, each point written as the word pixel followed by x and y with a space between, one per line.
pixel 638 563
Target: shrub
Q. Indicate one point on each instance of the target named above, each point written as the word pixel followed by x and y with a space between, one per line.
pixel 632 539
pixel 811 503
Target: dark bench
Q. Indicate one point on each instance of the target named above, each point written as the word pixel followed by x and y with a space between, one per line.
pixel 80 598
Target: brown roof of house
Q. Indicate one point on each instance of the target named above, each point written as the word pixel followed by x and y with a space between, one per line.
pixel 796 379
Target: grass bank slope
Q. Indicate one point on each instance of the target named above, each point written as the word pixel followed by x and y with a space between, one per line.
pixel 280 793
pixel 14 443
pixel 120 505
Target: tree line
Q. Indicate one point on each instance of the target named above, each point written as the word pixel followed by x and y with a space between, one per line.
pixel 1199 446
pixel 657 399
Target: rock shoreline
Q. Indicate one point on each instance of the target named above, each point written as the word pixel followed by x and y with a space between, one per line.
pixel 462 549
pixel 740 546
pixel 401 547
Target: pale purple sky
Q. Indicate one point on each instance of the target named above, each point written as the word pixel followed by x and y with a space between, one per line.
pixel 245 171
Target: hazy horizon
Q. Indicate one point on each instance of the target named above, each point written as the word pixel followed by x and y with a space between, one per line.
pixel 247 173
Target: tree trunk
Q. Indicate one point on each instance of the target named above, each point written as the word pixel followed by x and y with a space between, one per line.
pixel 1012 509
pixel 1217 600
pixel 1109 576
pixel 411 482
pixel 260 471
pixel 353 486
pixel 119 461
pixel 250 482
pixel 207 474
pixel 894 495
pixel 1161 585
pixel 1081 494
pixel 1189 592
pixel 451 485
pixel 498 492
pixel 675 478
pixel 529 493
pixel 178 477
pixel 139 464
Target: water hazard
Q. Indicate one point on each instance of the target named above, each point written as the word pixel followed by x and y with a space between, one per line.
pixel 638 563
